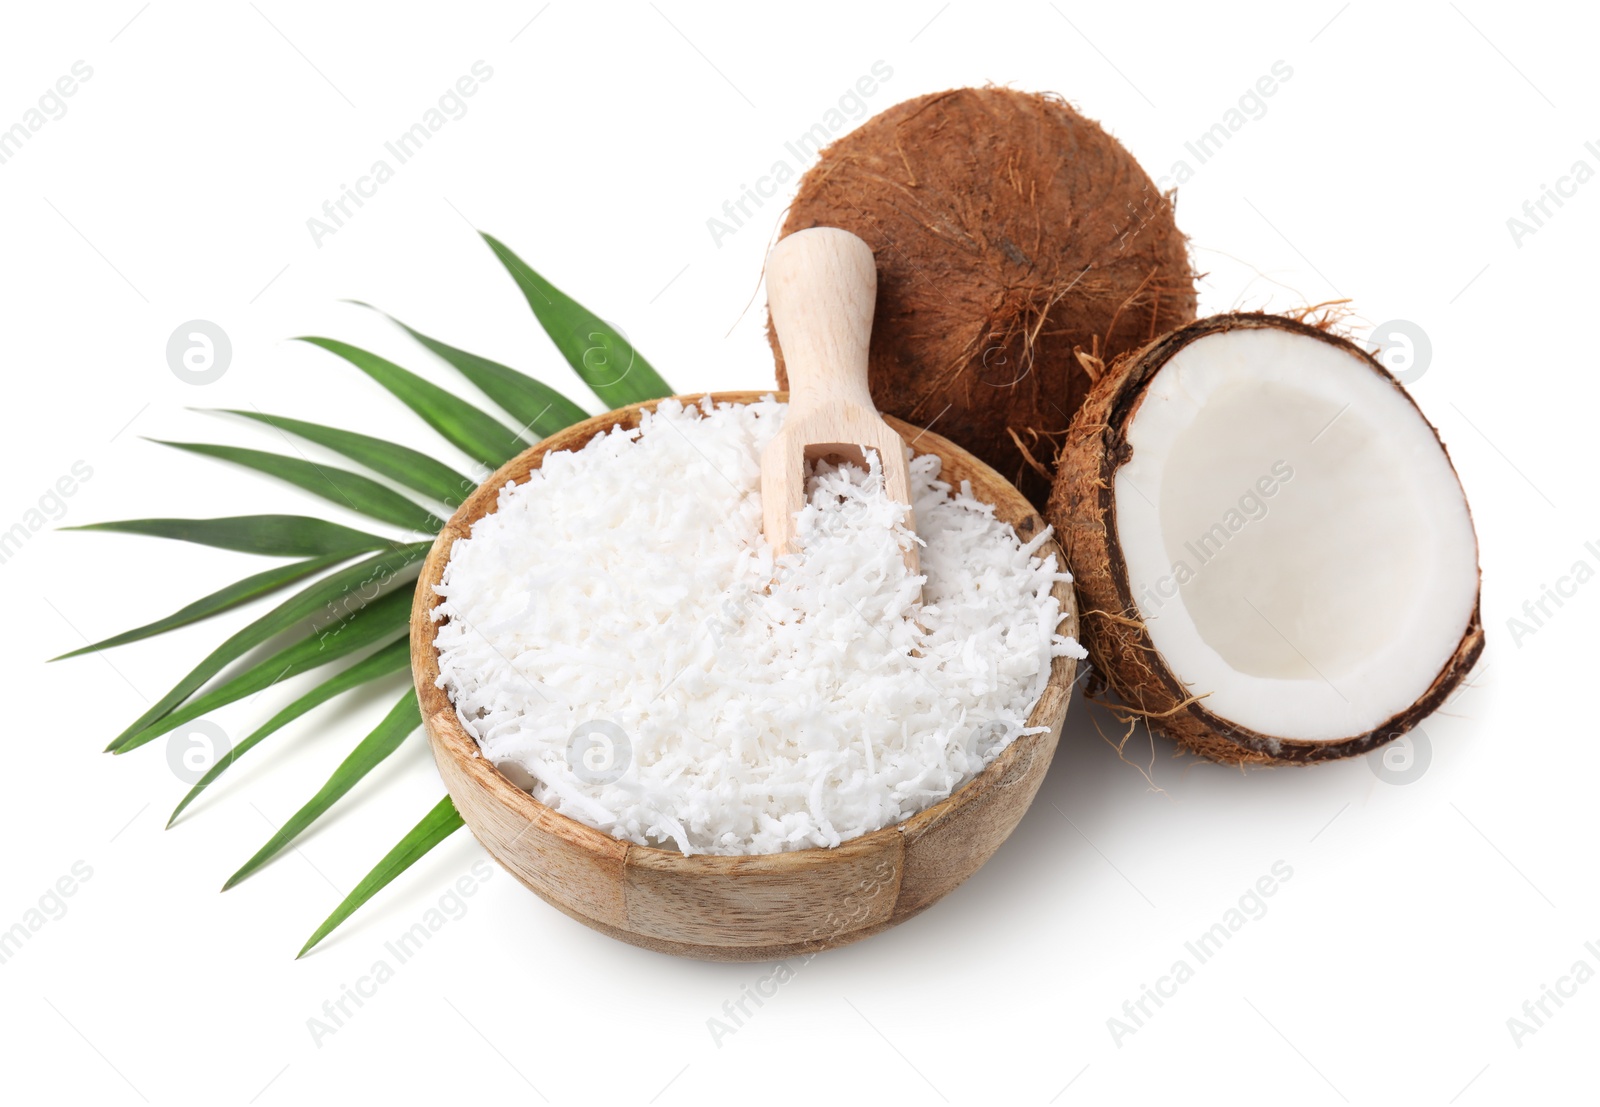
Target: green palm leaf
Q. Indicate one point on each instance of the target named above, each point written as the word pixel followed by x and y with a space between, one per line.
pixel 477 434
pixel 534 404
pixel 250 588
pixel 341 486
pixel 393 658
pixel 314 598
pixel 401 464
pixel 604 358
pixel 385 738
pixel 437 825
pixel 271 535
pixel 378 620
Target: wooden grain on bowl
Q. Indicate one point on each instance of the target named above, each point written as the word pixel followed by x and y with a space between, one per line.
pixel 718 908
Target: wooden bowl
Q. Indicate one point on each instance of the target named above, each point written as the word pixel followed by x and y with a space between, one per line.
pixel 757 908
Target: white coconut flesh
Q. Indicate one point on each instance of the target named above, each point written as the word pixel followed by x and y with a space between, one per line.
pixel 1295 538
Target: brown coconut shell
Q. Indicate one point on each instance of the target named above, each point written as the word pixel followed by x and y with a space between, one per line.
pixel 1009 230
pixel 1082 509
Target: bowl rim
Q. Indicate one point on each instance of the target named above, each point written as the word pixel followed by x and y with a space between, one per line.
pixel 449 738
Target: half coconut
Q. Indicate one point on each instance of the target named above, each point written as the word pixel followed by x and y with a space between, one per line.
pixel 1274 557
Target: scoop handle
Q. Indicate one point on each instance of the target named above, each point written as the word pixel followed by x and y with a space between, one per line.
pixel 822 284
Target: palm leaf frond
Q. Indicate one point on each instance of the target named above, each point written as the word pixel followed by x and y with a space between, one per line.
pixel 393 658
pixel 437 825
pixel 339 486
pixel 223 599
pixel 316 597
pixel 401 464
pixel 269 535
pixel 602 357
pixel 597 351
pixel 380 619
pixel 535 405
pixel 475 433
pixel 404 718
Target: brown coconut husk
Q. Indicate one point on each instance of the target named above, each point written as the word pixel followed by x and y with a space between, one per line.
pixel 1082 509
pixel 1009 231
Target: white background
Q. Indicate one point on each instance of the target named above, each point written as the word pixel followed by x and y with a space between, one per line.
pixel 1419 917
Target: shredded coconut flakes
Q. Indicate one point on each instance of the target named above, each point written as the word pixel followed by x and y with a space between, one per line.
pixel 619 639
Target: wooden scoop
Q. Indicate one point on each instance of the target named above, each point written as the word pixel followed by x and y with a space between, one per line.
pixel 821 287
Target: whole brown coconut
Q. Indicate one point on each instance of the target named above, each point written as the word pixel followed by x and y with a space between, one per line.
pixel 1127 624
pixel 1009 230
